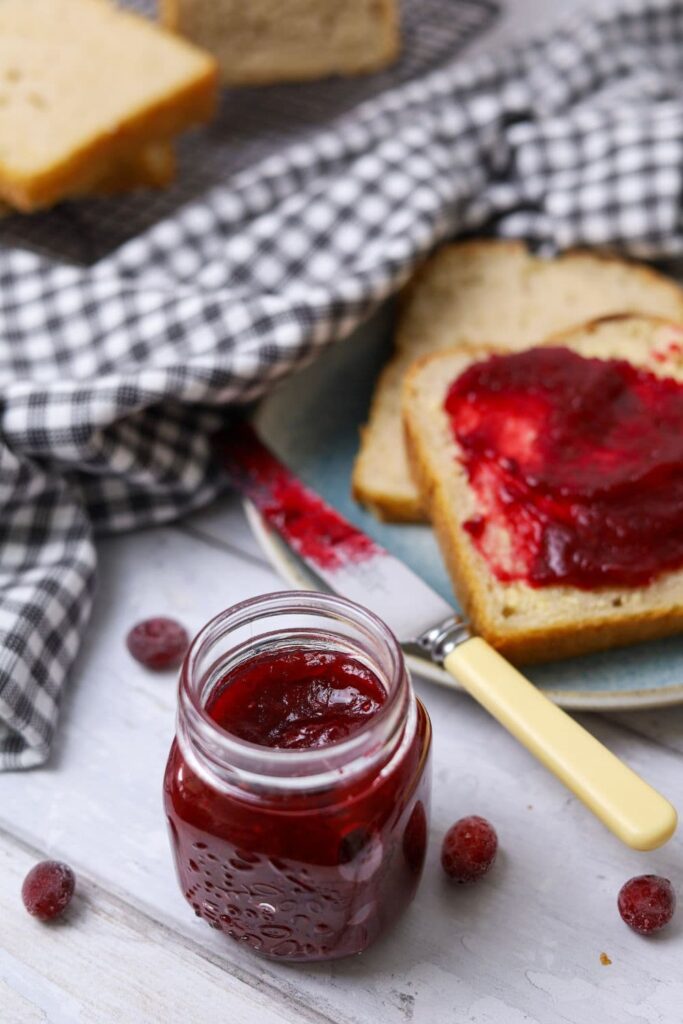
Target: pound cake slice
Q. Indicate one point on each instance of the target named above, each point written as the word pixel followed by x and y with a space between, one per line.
pixel 85 86
pixel 480 292
pixel 265 41
pixel 561 527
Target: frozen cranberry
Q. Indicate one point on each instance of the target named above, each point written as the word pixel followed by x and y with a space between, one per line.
pixel 646 903
pixel 47 889
pixel 158 643
pixel 469 849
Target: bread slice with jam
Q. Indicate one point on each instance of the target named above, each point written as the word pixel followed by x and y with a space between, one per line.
pixel 532 608
pixel 481 292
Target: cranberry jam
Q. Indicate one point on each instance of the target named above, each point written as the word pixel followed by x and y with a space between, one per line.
pixel 297 788
pixel 579 462
pixel 297 699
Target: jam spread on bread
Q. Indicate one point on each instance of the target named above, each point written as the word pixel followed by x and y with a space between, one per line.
pixel 576 465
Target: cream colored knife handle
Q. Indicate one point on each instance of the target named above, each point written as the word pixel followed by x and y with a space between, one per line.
pixel 628 806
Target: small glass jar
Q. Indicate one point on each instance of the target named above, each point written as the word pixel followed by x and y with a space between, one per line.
pixel 304 854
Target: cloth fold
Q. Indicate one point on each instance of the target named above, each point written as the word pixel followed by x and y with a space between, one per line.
pixel 114 375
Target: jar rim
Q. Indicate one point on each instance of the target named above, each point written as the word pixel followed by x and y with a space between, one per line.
pixel 300 768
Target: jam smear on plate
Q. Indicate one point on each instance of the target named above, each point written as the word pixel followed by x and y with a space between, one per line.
pixel 577 467
pixel 311 527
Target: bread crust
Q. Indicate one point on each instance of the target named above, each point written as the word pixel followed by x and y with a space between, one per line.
pixel 81 170
pixel 402 503
pixel 169 14
pixel 594 630
pixel 153 167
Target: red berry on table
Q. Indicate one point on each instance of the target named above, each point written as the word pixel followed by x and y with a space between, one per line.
pixel 646 903
pixel 47 889
pixel 158 643
pixel 469 849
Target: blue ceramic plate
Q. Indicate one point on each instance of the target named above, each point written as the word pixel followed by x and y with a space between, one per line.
pixel 312 421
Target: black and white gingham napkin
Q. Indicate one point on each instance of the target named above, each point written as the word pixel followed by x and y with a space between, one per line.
pixel 114 373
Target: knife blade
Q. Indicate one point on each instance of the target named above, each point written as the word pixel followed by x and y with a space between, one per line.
pixel 351 564
pixel 344 558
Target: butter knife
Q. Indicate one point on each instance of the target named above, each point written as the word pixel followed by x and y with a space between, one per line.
pixel 351 564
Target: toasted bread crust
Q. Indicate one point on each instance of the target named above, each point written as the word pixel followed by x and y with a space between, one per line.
pixel 596 628
pixel 386 486
pixel 153 167
pixel 83 170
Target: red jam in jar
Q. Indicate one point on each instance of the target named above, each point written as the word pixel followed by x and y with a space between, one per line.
pixel 577 467
pixel 297 788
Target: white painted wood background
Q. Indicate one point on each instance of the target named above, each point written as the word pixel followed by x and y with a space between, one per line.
pixel 524 946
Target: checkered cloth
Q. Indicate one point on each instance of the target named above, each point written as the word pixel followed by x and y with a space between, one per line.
pixel 115 373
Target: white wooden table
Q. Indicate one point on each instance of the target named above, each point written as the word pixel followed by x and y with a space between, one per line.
pixel 523 946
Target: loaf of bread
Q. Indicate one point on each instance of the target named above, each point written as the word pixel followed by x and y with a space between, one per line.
pixel 524 622
pixel 489 292
pixel 264 41
pixel 85 90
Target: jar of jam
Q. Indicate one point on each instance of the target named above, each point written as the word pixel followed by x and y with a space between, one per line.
pixel 297 787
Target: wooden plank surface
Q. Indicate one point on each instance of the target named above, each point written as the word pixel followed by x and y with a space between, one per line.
pixel 525 945
pixel 106 962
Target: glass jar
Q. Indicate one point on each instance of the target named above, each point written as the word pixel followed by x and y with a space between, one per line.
pixel 303 854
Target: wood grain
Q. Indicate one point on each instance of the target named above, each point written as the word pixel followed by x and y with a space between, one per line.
pixel 523 946
pixel 104 962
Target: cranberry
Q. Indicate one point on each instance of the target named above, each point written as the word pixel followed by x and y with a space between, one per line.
pixel 158 643
pixel 469 849
pixel 646 903
pixel 47 889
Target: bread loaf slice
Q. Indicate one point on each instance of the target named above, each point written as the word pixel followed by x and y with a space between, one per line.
pixel 85 86
pixel 153 167
pixel 489 291
pixel 523 622
pixel 265 41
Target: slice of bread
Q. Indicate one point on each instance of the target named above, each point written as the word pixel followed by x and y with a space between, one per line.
pixel 264 41
pixel 525 623
pixel 153 167
pixel 489 291
pixel 85 86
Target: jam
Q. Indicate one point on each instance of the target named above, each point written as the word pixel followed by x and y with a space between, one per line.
pixel 297 699
pixel 311 527
pixel 577 467
pixel 298 805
